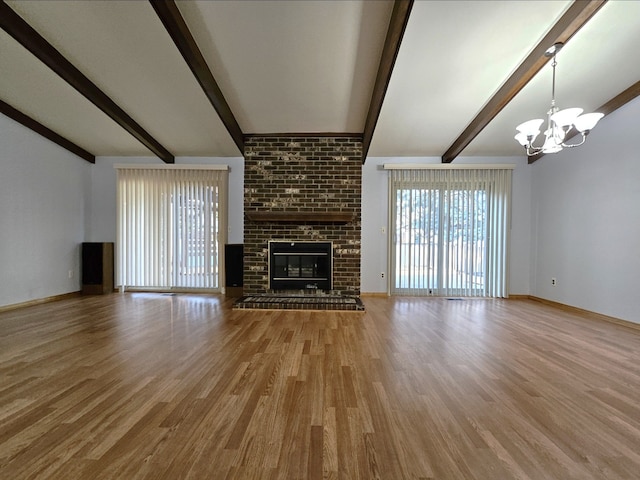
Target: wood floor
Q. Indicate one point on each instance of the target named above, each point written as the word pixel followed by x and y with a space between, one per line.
pixel 152 386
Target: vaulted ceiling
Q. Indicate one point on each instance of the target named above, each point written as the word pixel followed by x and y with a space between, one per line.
pixel 193 78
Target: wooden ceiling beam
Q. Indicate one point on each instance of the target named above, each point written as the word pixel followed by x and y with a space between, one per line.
pixel 612 105
pixel 395 32
pixel 170 16
pixel 620 100
pixel 46 132
pixel 24 34
pixel 576 16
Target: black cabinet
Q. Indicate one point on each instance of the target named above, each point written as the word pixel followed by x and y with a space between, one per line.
pixel 234 269
pixel 97 268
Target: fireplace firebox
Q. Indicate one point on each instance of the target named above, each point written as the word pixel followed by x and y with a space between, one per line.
pixel 300 265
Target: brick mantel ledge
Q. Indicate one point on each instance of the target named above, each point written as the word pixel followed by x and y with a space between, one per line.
pixel 300 217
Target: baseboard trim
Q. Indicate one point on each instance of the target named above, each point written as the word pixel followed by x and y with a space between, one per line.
pixel 39 301
pixel 374 294
pixel 579 311
pixel 519 297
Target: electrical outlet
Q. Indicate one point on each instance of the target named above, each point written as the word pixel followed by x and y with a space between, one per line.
pixel 553 281
pixel 382 275
pixel 70 273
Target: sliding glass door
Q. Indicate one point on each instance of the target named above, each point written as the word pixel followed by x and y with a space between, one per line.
pixel 195 237
pixel 449 233
pixel 171 226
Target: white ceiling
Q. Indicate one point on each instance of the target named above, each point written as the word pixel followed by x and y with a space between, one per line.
pixel 309 67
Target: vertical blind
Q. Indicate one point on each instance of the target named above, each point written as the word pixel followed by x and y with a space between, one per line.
pixel 450 231
pixel 171 225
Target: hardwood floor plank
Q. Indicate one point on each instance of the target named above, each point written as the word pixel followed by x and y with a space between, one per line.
pixel 330 467
pixel 152 386
pixel 315 451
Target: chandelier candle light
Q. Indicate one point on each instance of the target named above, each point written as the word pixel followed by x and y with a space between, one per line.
pixel 560 122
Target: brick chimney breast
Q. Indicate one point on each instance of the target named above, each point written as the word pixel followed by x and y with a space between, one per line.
pixel 299 179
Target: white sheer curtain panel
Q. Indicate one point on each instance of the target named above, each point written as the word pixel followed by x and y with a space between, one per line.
pixel 449 231
pixel 172 224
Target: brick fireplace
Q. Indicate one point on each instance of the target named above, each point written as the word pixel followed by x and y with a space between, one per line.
pixel 303 189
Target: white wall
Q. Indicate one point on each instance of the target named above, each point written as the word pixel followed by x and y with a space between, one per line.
pixel 586 220
pixel 102 225
pixel 375 219
pixel 43 193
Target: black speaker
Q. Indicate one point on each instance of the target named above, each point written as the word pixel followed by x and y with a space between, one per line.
pixel 233 264
pixel 97 268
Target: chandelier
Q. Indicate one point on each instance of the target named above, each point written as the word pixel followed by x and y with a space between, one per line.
pixel 559 122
